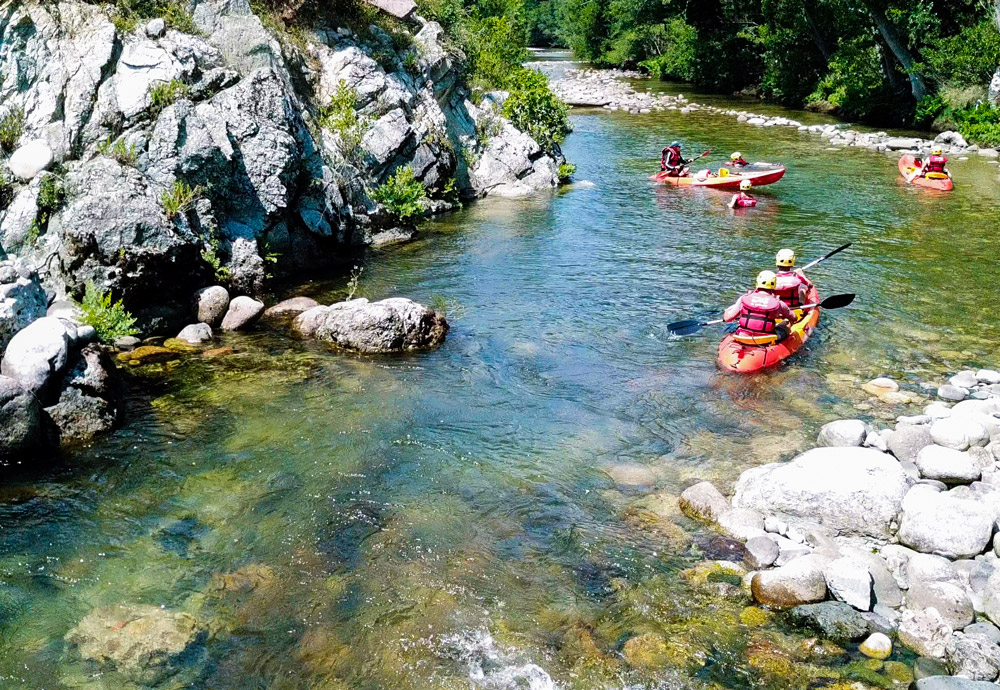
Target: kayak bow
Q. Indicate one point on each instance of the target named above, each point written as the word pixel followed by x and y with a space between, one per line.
pixel 748 359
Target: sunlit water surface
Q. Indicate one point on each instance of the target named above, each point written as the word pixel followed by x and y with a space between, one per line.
pixel 501 513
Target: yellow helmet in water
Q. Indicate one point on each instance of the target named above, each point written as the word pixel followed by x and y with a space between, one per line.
pixel 785 258
pixel 745 184
pixel 766 280
pixel 937 151
pixel 735 156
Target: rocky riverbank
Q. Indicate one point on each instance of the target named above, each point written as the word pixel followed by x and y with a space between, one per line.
pixel 608 89
pixel 883 536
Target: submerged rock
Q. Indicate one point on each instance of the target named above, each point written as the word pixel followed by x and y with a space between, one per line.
pixel 196 333
pixel 876 646
pixel 289 308
pixel 148 644
pixel 703 501
pixel 390 325
pixel 835 619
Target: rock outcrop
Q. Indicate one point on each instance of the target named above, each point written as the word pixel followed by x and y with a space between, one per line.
pixel 183 155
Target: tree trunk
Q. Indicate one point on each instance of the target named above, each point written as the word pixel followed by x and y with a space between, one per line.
pixel 818 39
pixel 899 49
pixel 889 67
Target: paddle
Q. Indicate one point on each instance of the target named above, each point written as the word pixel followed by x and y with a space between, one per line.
pixel 824 258
pixel 692 326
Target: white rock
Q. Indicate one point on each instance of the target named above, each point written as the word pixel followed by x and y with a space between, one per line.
pixel 940 524
pixel 947 465
pixel 156 28
pixel 242 312
pixel 850 491
pixel 850 582
pixel 702 501
pixel 37 355
pixel 937 410
pixel 924 632
pixel 842 433
pixel 959 433
pixel 964 379
pixel 925 567
pixel 760 553
pixel 741 523
pixel 876 646
pixel 799 582
pixel 29 160
pixel 950 392
pixel 988 376
pixel 949 600
pixel 196 333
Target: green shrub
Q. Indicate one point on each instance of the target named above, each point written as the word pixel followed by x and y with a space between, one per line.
pixel 341 115
pixel 402 194
pixel 51 193
pixel 210 255
pixel 854 83
pixel 411 63
pixel 11 129
pixel 179 198
pixel 128 14
pixel 928 109
pixel 176 15
pixel 980 124
pixel 165 93
pixel 566 171
pixel 968 58
pixel 533 108
pixel 109 320
pixel 6 190
pixel 125 154
pixel 495 50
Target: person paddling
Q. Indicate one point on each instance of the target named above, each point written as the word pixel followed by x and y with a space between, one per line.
pixel 761 317
pixel 671 160
pixel 933 165
pixel 792 284
pixel 736 160
pixel 741 199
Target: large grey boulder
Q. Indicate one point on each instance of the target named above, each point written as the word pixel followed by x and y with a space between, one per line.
pixel 702 501
pixel 21 302
pixel 243 312
pixel 973 657
pixel 947 465
pixel 908 440
pixel 948 599
pixel 391 325
pixel 21 419
pixel 798 582
pixel 843 433
pixel 924 632
pixel 850 491
pixel 211 304
pixel 835 619
pixel 37 355
pixel 951 527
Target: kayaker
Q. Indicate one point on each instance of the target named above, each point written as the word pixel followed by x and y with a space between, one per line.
pixel 736 160
pixel 671 160
pixel 741 199
pixel 760 314
pixel 935 163
pixel 792 284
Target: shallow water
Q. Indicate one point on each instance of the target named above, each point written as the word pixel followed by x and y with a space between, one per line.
pixel 478 516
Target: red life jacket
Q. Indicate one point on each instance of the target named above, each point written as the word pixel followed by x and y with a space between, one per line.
pixel 759 312
pixel 739 161
pixel 744 200
pixel 787 289
pixel 935 164
pixel 672 157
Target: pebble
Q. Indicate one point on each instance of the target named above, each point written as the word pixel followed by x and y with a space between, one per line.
pixel 877 646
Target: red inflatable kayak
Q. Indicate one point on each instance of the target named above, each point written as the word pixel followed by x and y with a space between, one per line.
pixel 908 163
pixel 726 181
pixel 747 359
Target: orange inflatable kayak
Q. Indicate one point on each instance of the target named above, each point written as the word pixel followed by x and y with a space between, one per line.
pixel 909 163
pixel 728 180
pixel 747 359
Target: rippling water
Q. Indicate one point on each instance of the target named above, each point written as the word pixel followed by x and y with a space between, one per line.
pixel 499 513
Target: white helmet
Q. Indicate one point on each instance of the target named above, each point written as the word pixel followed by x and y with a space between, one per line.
pixel 745 184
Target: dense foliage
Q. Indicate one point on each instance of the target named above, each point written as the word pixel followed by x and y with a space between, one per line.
pixel 884 61
pixel 109 319
pixel 402 194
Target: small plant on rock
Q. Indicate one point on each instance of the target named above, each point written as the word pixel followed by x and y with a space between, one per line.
pixel 210 255
pixel 165 93
pixel 353 281
pixel 6 190
pixel 110 320
pixel 341 115
pixel 11 129
pixel 566 171
pixel 179 198
pixel 402 194
pixel 125 154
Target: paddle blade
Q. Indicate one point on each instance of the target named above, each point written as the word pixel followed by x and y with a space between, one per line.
pixel 837 301
pixel 686 327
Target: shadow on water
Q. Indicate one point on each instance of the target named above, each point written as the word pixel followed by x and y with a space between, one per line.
pixel 502 512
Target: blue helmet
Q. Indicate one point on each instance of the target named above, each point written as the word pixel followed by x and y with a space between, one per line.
pixel 675 143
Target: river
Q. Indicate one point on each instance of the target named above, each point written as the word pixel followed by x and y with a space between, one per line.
pixel 500 513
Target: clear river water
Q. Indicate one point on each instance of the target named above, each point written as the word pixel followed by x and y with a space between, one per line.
pixel 501 512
